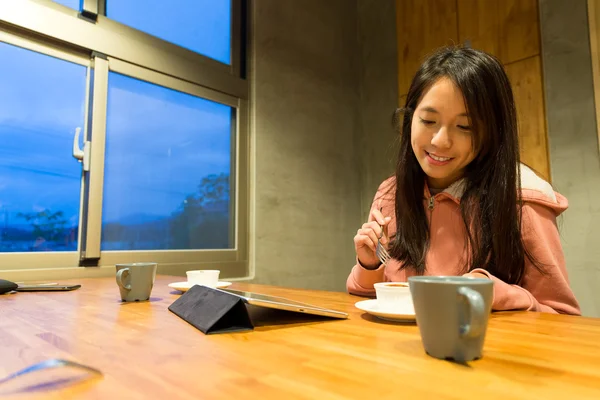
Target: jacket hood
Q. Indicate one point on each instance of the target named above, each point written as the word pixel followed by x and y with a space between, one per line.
pixel 533 190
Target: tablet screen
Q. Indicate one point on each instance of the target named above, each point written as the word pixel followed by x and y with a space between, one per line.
pixel 264 297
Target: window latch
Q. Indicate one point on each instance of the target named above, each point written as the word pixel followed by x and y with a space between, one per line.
pixel 82 156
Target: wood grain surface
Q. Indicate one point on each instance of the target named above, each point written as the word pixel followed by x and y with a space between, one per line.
pixel 146 352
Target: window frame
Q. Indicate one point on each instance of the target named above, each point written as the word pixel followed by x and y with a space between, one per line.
pixel 106 46
pixel 128 44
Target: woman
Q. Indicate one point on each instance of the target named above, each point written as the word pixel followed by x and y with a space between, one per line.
pixel 461 203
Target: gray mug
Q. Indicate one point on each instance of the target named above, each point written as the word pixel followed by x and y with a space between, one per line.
pixel 452 314
pixel 136 280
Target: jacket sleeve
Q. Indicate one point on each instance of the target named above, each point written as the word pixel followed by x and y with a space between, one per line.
pixel 361 280
pixel 546 290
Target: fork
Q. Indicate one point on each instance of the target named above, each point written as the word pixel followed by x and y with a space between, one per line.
pixel 47 364
pixel 381 251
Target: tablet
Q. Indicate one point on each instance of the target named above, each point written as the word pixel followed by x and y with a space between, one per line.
pixel 281 303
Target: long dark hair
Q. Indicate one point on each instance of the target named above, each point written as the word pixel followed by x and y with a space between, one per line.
pixel 491 202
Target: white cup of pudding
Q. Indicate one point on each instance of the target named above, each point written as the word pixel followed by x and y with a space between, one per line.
pixel 205 277
pixel 393 296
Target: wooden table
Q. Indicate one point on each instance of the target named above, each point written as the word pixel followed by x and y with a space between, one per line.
pixel 147 352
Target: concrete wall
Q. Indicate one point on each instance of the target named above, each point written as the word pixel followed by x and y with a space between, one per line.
pixel 309 70
pixel 574 158
pixel 378 87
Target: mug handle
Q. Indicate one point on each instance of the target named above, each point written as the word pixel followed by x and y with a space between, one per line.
pixel 474 326
pixel 120 273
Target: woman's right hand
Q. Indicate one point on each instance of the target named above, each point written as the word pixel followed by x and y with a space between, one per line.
pixel 365 241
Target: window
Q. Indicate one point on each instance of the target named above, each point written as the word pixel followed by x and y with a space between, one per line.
pixel 202 26
pixel 69 3
pixel 172 150
pixel 124 136
pixel 42 100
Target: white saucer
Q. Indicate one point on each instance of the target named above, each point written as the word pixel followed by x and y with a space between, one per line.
pixel 404 313
pixel 185 286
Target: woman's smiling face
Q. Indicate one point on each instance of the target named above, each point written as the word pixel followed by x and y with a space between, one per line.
pixel 441 135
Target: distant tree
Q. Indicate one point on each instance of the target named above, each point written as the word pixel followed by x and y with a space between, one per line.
pixel 46 224
pixel 48 227
pixel 202 220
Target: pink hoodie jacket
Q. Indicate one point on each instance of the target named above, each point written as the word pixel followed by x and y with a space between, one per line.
pixel 549 292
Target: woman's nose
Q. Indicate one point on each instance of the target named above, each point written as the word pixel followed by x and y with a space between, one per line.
pixel 441 139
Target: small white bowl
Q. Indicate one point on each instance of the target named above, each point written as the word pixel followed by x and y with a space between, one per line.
pixel 392 295
pixel 208 277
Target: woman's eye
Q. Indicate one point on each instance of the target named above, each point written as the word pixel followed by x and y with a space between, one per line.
pixel 464 127
pixel 427 122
